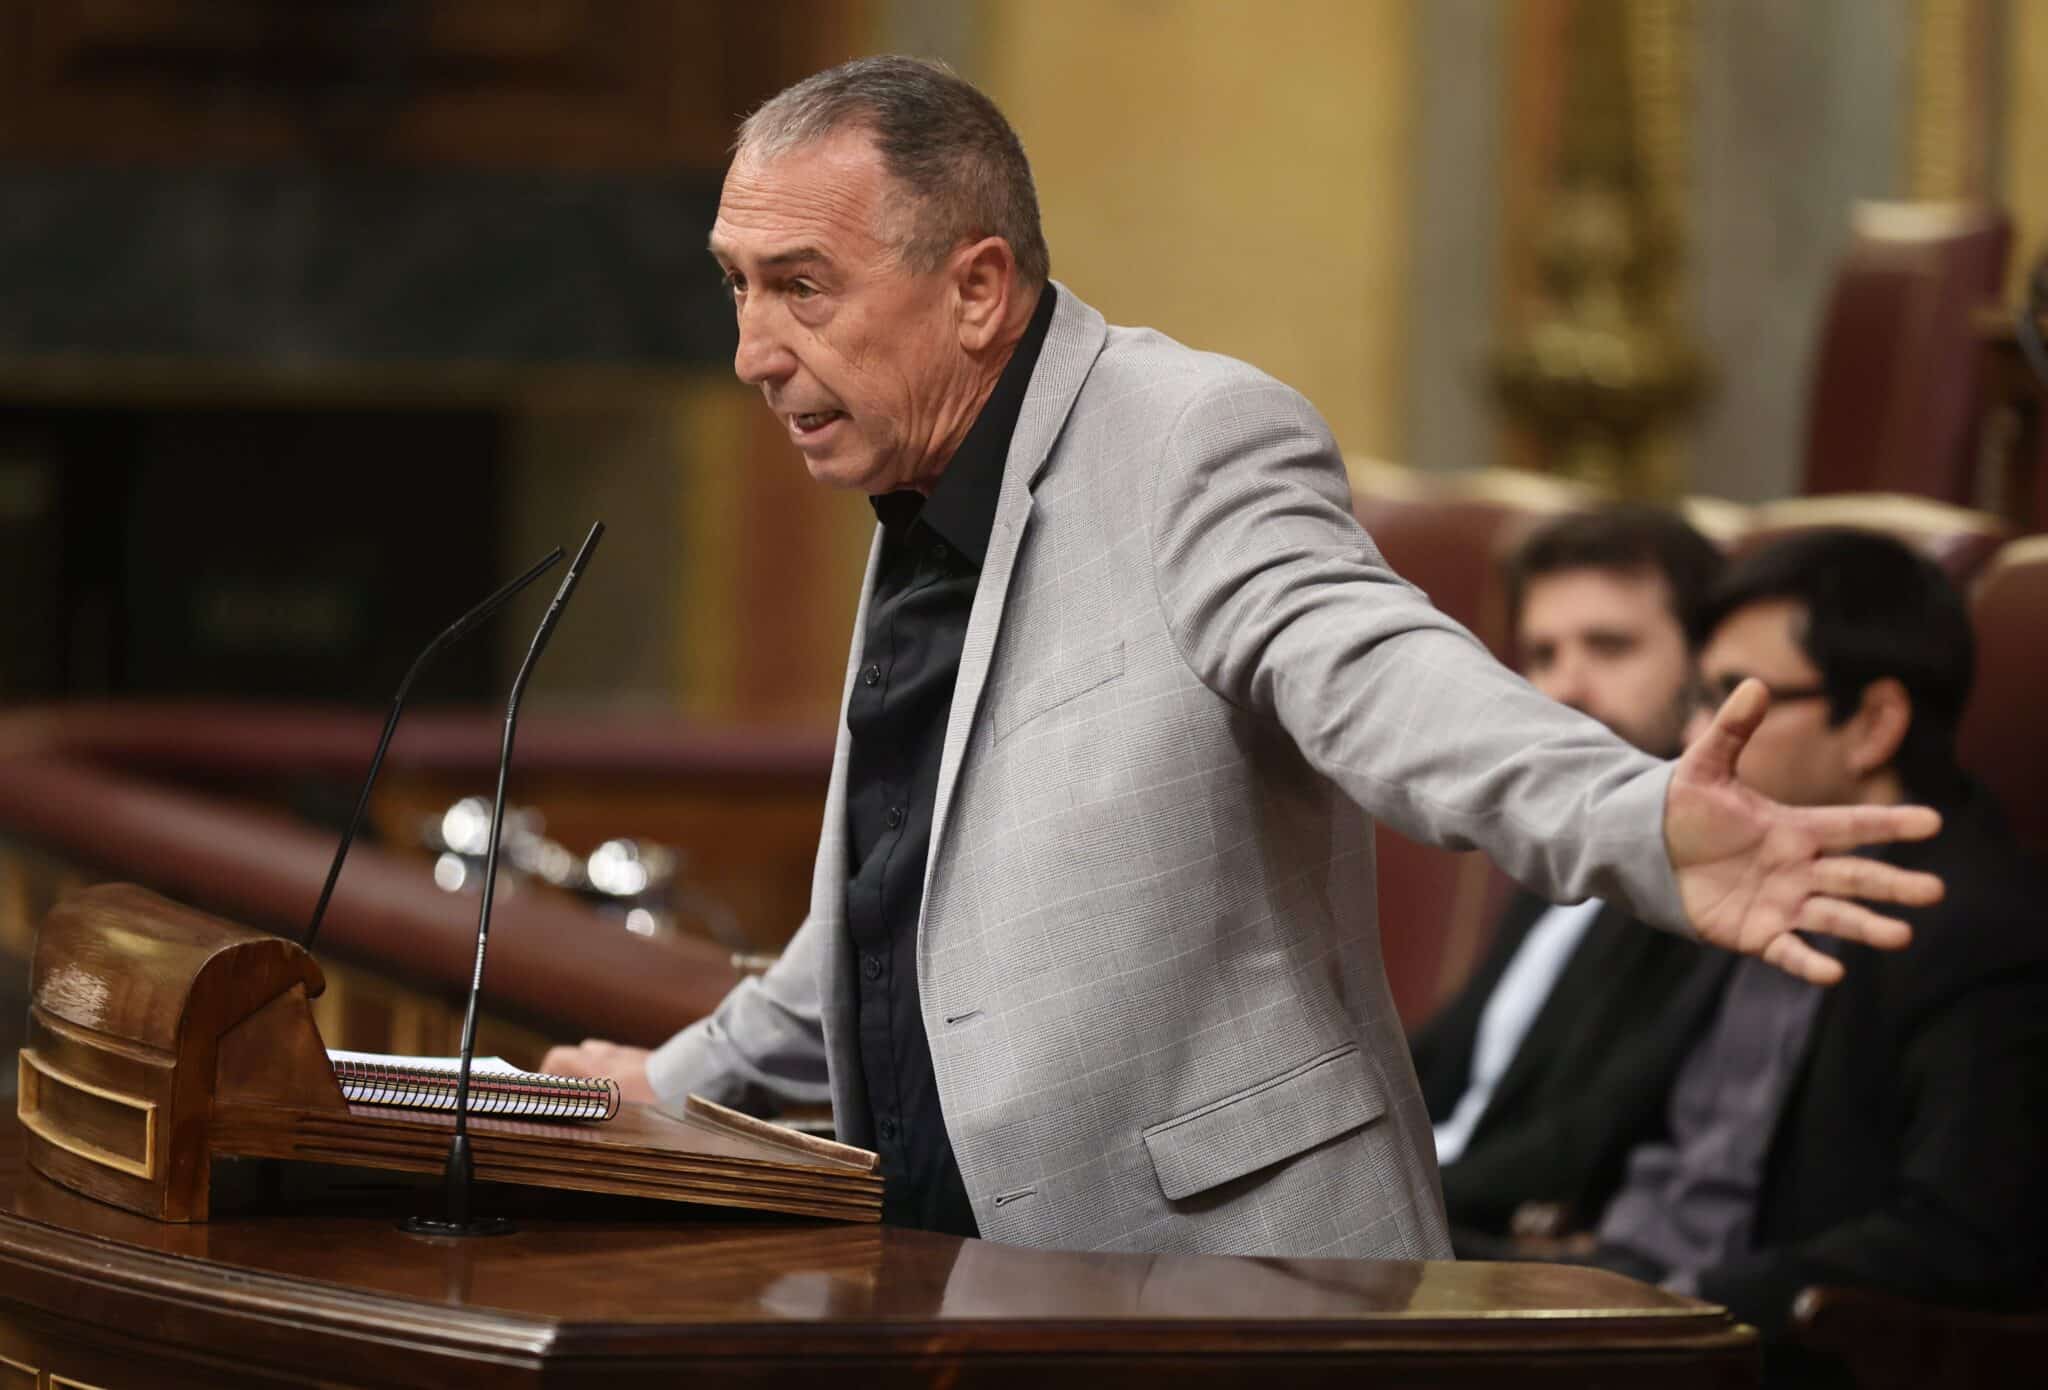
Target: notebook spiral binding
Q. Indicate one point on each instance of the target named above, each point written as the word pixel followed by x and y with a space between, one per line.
pixel 522 1095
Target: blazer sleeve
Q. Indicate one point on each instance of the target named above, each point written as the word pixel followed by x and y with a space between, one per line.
pixel 1966 1216
pixel 1280 603
pixel 763 1048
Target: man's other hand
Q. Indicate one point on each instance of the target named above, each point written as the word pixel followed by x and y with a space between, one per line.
pixel 1753 873
pixel 596 1057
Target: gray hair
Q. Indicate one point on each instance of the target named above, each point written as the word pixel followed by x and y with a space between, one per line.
pixel 938 136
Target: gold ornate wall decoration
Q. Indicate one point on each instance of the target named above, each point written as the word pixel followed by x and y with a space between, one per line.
pixel 1601 369
pixel 1949 153
pixel 2023 137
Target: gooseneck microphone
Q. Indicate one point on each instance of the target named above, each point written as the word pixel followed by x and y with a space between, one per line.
pixel 460 1170
pixel 461 627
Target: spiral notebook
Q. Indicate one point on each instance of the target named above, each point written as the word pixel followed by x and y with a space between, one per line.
pixel 496 1087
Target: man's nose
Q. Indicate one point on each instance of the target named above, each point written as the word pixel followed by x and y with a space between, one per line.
pixel 762 356
pixel 1565 681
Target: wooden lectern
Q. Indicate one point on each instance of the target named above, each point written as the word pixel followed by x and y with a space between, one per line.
pixel 161 1038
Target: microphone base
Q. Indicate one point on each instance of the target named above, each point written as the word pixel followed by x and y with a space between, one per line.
pixel 456 1178
pixel 475 1226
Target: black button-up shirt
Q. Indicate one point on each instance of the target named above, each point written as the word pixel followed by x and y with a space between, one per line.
pixel 932 549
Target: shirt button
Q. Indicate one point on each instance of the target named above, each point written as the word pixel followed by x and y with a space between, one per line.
pixel 871 676
pixel 894 817
pixel 887 1130
pixel 871 966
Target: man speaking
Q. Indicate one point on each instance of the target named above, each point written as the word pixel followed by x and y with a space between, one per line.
pixel 1092 958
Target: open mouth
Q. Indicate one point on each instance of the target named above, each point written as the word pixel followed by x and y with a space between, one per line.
pixel 815 422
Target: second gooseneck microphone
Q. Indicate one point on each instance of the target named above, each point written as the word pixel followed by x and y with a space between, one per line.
pixel 459 628
pixel 460 1170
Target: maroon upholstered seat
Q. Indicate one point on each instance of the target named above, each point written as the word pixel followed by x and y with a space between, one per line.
pixel 1447 533
pixel 2004 736
pixel 1437 911
pixel 1894 395
pixel 1956 538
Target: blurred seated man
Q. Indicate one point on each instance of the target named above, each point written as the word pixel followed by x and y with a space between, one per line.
pixel 1890 1132
pixel 1557 1056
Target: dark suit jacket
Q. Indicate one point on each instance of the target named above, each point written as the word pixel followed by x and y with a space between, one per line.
pixel 1912 1152
pixel 1591 1076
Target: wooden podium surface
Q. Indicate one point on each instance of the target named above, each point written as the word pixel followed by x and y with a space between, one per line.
pixel 309 1282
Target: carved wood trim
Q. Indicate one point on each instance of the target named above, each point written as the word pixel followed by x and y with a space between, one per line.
pixel 33 1071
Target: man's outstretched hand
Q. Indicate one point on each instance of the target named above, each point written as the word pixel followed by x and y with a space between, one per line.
pixel 596 1057
pixel 1752 872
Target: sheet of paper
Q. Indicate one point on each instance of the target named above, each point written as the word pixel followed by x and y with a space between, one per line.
pixel 450 1065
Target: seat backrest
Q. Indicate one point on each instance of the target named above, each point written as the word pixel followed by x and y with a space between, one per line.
pixel 2004 736
pixel 1447 533
pixel 1436 910
pixel 1893 401
pixel 1958 539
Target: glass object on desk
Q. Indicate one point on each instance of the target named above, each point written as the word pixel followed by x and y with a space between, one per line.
pixel 638 882
pixel 643 882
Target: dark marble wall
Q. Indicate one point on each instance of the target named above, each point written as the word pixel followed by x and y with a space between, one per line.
pixel 312 529
pixel 302 265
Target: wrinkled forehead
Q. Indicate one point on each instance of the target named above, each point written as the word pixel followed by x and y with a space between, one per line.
pixel 829 198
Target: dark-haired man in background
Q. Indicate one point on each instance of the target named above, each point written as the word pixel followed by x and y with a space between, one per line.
pixel 1556 1057
pixel 1890 1132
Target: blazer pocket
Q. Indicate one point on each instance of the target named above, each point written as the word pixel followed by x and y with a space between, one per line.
pixel 1015 708
pixel 1322 1098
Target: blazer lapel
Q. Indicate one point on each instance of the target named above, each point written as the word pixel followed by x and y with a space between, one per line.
pixel 1072 344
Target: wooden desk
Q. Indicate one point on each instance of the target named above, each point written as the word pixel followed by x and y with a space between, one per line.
pixel 192 800
pixel 317 1286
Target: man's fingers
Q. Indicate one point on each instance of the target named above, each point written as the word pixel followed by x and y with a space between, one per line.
pixel 1714 753
pixel 1854 922
pixel 1840 828
pixel 1851 876
pixel 1801 961
pixel 589 1058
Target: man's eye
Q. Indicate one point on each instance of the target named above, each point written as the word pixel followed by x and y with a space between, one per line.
pixel 733 285
pixel 802 289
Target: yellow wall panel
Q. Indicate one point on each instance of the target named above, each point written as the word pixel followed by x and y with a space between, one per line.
pixel 1235 174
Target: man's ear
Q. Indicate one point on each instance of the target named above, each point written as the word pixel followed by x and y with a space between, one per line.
pixel 984 276
pixel 1881 720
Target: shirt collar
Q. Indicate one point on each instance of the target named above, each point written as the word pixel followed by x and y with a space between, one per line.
pixel 962 508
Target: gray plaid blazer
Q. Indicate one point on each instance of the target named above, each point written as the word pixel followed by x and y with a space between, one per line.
pixel 1149 959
